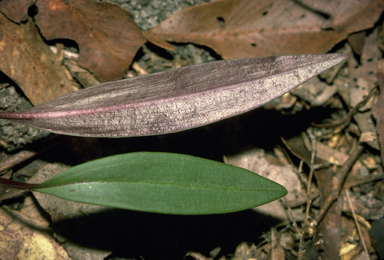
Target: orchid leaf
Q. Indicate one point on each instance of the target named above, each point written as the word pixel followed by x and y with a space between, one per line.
pixel 163 183
pixel 175 100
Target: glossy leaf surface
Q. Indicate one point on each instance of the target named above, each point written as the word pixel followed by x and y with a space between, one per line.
pixel 175 100
pixel 163 183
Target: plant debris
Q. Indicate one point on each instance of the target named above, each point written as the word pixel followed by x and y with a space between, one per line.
pixel 323 141
pixel 96 28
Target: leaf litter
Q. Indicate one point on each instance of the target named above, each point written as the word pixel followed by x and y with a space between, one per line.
pixel 96 28
pixel 246 28
pixel 16 11
pixel 28 61
pixel 248 132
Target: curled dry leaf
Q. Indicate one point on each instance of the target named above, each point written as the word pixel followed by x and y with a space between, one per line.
pixel 248 28
pixel 107 36
pixel 16 10
pixel 175 100
pixel 28 61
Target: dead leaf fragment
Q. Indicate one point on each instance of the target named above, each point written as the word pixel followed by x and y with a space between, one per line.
pixel 22 237
pixel 326 153
pixel 107 36
pixel 309 91
pixel 28 61
pixel 247 28
pixel 83 76
pixel 378 113
pixel 356 40
pixel 254 160
pixel 16 10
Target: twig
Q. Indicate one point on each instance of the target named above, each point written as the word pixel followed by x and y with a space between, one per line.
pixel 299 201
pixel 357 224
pixel 16 159
pixel 348 117
pixel 313 155
pixel 309 199
pixel 340 177
pixel 27 154
pixel 294 224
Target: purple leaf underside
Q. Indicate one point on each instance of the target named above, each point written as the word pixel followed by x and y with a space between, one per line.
pixel 175 100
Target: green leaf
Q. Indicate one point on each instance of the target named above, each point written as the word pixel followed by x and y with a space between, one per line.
pixel 163 183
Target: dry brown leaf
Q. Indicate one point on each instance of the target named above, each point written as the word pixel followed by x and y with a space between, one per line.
pixel 362 80
pixel 24 237
pixel 107 36
pixel 247 28
pixel 378 111
pixel 315 92
pixel 255 160
pixel 16 10
pixel 83 76
pixel 326 153
pixel 28 61
pixel 356 40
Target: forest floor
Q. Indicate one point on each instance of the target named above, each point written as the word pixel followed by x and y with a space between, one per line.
pixel 322 141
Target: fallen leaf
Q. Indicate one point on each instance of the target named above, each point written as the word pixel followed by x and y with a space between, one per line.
pixel 326 153
pixel 83 76
pixel 16 10
pixel 378 112
pixel 23 237
pixel 107 35
pixel 356 40
pixel 254 160
pixel 28 61
pixel 362 79
pixel 309 91
pixel 298 148
pixel 175 100
pixel 248 28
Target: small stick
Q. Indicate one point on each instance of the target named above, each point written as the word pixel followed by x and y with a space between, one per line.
pixel 357 224
pixel 313 155
pixel 340 178
pixel 348 117
pixel 294 224
pixel 16 159
pixel 27 154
